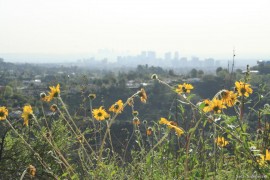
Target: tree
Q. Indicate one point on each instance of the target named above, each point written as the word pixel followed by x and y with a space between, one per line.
pixel 193 73
pixel 8 92
pixel 218 70
pixel 200 73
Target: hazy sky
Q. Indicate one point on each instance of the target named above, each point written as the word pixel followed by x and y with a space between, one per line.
pixel 207 28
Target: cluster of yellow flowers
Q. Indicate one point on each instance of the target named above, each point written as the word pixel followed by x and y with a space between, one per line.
pixel 26 114
pixel 101 114
pixel 227 98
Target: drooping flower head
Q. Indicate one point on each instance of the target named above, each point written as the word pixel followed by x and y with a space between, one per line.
pixel 100 114
pixel 149 131
pixel 135 113
pixel 154 76
pixel 136 121
pixel 32 170
pixel 54 108
pixel 130 101
pixel 142 95
pixel 92 96
pixel 27 114
pixel 221 141
pixel 3 113
pixel 243 89
pixel 184 88
pixel 54 93
pixel 43 96
pixel 117 107
pixel 216 105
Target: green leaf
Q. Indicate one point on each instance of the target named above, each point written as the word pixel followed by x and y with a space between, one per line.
pixel 201 106
pixel 181 109
pixel 191 130
pixel 191 96
pixel 113 172
pixel 205 122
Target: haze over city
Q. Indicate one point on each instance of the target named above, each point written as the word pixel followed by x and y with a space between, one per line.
pixel 39 30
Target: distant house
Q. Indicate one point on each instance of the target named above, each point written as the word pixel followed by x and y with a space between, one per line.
pixel 131 84
pixel 36 82
pixel 193 80
pixel 145 84
pixel 252 71
pixel 262 62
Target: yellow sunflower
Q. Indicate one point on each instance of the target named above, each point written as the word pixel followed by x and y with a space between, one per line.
pixel 225 96
pixel 206 107
pixel 229 98
pixel 117 107
pixel 221 141
pixel 142 95
pixel 100 114
pixel 172 125
pixel 179 131
pixel 164 121
pixel 267 155
pixel 261 160
pixel 27 114
pixel 216 106
pixel 233 99
pixel 3 113
pixel 55 92
pixel 243 89
pixel 184 88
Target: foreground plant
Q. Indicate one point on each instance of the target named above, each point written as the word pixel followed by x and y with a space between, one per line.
pixel 197 140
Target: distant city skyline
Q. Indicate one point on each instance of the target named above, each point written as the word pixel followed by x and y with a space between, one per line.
pixel 203 28
pixel 105 56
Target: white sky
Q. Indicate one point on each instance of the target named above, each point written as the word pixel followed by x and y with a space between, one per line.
pixel 210 28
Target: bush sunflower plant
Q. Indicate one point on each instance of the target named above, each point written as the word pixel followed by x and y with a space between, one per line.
pixel 207 139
